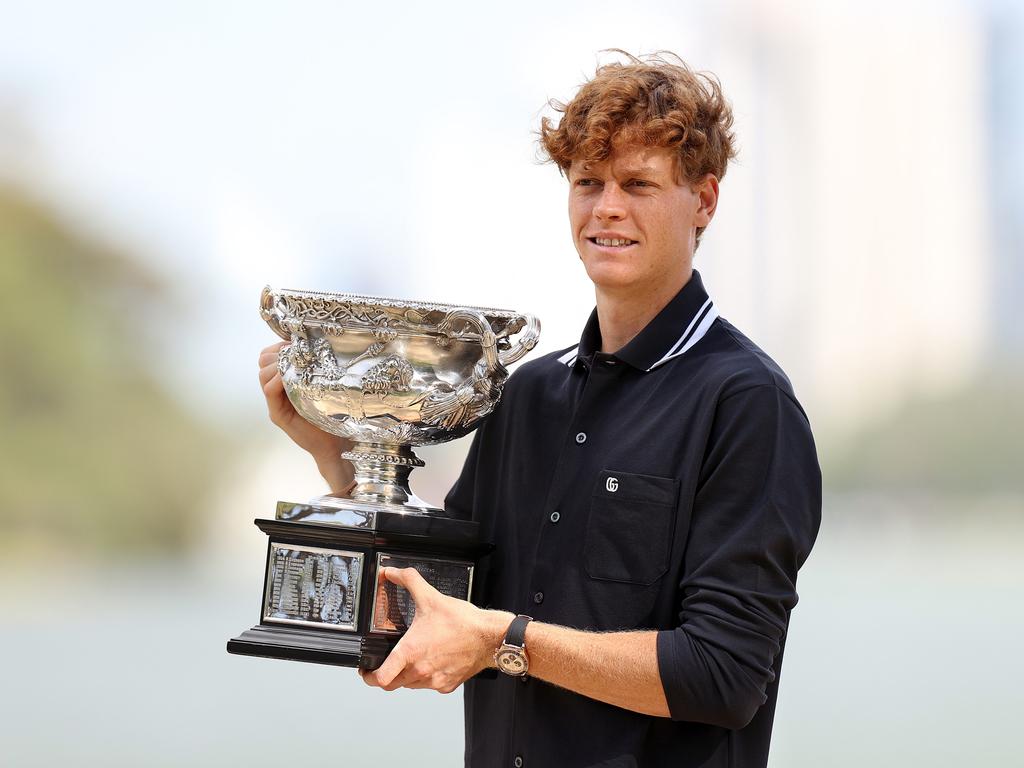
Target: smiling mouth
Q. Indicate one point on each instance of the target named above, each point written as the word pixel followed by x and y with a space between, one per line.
pixel 613 242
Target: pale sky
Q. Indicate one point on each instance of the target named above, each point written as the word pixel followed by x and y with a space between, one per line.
pixel 390 149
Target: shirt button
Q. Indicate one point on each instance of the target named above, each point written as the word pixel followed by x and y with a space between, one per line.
pixel 518 762
pixel 581 437
pixel 555 516
pixel 538 597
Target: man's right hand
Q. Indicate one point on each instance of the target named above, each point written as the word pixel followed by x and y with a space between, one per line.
pixel 325 448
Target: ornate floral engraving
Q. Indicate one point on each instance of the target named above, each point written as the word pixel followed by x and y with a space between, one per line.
pixel 453 408
pixel 390 375
pixel 293 310
pixel 371 351
pixel 450 408
pixel 314 364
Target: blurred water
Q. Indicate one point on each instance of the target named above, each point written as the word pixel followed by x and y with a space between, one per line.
pixel 129 668
pixel 905 647
pixel 904 650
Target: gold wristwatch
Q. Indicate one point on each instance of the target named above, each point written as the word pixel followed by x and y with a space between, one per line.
pixel 511 657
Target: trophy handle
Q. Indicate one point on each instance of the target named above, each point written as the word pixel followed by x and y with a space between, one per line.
pixel 475 320
pixel 453 408
pixel 526 342
pixel 271 313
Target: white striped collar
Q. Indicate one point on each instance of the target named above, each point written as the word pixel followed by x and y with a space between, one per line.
pixel 694 332
pixel 680 325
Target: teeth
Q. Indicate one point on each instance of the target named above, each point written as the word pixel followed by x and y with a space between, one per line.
pixel 613 242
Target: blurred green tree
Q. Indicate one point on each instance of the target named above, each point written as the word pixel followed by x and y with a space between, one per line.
pixel 95 456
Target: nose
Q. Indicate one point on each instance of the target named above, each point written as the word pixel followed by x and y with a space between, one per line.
pixel 611 205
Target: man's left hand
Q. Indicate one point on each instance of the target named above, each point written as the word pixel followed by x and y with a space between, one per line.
pixel 450 640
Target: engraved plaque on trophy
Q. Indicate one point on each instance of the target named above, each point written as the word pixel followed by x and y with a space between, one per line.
pixel 393 606
pixel 388 375
pixel 310 586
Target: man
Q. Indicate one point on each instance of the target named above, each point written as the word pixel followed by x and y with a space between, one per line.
pixel 651 491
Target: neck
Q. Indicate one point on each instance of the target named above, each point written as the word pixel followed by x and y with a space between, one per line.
pixel 623 314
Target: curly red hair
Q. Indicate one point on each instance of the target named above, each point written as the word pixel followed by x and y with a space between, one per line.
pixel 651 101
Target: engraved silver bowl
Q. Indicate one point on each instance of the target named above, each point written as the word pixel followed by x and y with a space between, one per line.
pixel 389 374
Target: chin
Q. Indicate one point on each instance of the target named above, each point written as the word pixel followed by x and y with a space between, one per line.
pixel 610 277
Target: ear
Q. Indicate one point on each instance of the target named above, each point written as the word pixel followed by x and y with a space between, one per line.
pixel 706 191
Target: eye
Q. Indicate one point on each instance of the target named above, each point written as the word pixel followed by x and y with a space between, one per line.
pixel 639 183
pixel 587 182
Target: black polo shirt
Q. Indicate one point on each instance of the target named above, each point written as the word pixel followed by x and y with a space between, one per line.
pixel 671 486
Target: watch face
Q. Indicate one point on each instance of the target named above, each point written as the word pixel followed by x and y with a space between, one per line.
pixel 511 661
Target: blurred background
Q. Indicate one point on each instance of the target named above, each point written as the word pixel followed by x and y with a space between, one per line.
pixel 160 163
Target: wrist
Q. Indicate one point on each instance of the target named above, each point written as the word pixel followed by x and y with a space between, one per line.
pixel 338 472
pixel 494 626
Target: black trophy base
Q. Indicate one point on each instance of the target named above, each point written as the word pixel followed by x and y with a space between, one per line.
pixel 317 647
pixel 324 600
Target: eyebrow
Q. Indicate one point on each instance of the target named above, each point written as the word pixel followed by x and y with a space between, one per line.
pixel 638 170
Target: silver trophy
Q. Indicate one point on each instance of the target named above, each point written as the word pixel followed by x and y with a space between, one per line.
pixel 388 375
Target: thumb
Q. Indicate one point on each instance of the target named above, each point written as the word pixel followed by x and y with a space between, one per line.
pixel 411 579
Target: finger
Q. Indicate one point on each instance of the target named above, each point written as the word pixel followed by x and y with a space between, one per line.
pixel 267 373
pixel 407 679
pixel 279 407
pixel 411 579
pixel 274 386
pixel 391 668
pixel 371 680
pixel 269 359
pixel 435 682
pixel 270 354
pixel 274 348
pixel 368 677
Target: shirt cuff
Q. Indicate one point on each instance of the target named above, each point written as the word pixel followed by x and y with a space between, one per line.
pixel 697 689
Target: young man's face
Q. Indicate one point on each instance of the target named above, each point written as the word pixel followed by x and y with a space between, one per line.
pixel 633 222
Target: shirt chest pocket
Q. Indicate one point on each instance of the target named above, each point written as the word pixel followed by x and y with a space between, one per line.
pixel 630 528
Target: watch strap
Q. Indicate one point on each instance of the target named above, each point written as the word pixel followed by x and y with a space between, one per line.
pixel 516 633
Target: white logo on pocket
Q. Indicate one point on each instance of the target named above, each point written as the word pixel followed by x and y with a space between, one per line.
pixel 612 484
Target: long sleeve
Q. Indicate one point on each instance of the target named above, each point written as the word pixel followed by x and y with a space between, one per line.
pixel 756 513
pixel 460 499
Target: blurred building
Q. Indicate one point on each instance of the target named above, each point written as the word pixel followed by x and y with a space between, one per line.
pixel 854 238
pixel 1005 31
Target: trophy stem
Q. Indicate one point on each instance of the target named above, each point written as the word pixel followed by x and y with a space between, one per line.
pixel 382 477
